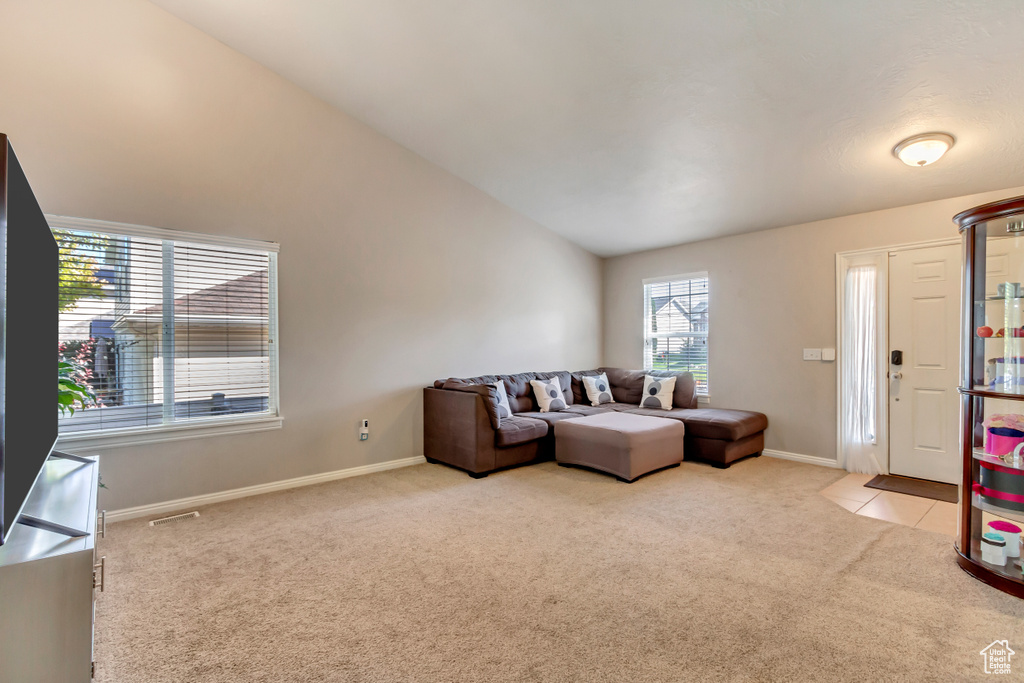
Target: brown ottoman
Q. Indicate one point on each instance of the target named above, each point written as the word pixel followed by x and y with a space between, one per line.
pixel 722 437
pixel 625 445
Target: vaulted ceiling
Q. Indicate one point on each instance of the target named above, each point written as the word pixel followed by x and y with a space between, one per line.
pixel 628 125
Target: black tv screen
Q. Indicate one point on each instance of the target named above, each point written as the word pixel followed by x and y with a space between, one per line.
pixel 28 343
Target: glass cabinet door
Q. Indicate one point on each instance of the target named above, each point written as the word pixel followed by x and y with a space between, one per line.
pixel 998 283
pixel 997 485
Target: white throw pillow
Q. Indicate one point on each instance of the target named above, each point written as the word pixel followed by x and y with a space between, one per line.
pixel 549 394
pixel 658 392
pixel 504 409
pixel 598 389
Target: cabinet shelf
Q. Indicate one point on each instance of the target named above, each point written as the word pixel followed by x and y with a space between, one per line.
pixel 995 460
pixel 1010 569
pixel 978 503
pixel 984 391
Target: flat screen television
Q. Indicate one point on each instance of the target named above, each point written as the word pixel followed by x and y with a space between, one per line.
pixel 28 339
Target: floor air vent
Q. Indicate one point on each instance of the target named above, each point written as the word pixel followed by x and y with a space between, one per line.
pixel 174 518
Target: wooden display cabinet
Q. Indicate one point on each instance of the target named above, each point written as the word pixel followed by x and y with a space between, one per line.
pixel 992 392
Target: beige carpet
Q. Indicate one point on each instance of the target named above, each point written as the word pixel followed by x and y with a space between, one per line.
pixel 544 574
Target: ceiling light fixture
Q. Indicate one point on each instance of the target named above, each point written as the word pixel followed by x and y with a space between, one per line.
pixel 921 150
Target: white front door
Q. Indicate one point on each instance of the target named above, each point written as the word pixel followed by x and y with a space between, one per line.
pixel 924 325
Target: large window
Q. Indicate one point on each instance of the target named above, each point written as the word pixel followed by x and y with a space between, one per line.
pixel 171 330
pixel 676 326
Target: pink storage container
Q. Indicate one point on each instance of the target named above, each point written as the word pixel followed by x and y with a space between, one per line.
pixel 1002 440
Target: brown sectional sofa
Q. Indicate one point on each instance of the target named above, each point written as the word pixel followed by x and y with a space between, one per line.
pixel 462 428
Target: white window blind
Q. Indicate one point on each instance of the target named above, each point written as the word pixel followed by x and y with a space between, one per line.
pixel 676 327
pixel 167 331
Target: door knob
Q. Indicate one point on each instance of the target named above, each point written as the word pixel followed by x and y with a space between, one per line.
pixel 897 375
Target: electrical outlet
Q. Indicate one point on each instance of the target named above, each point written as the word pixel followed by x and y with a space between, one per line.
pixel 812 354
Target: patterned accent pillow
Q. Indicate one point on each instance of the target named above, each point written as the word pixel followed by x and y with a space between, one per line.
pixel 504 410
pixel 598 389
pixel 549 394
pixel 657 392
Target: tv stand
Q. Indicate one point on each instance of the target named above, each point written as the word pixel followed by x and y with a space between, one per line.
pixel 37 523
pixel 58 455
pixel 48 576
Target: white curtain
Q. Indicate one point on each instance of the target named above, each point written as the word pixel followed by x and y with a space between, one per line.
pixel 859 370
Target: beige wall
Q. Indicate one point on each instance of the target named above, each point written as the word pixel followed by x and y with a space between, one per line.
pixel 772 294
pixel 392 271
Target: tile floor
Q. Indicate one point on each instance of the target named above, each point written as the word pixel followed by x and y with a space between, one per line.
pixel 921 513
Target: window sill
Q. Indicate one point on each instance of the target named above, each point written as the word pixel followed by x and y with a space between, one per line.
pixel 137 436
pixel 703 400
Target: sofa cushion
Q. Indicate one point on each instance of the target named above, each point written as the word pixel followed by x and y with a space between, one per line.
pixel 517 430
pixel 584 410
pixel 627 385
pixel 520 394
pixel 451 381
pixel 488 392
pixel 728 425
pixel 624 408
pixel 517 387
pixel 674 414
pixel 685 393
pixel 550 418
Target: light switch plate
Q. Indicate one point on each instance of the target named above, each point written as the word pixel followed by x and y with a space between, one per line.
pixel 812 354
pixel 828 355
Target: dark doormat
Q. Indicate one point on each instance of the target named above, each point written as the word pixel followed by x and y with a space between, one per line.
pixel 915 487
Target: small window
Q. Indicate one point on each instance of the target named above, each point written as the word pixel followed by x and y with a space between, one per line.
pixel 676 326
pixel 167 329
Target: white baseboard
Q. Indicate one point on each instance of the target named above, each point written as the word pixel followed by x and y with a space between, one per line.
pixel 207 499
pixel 800 457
